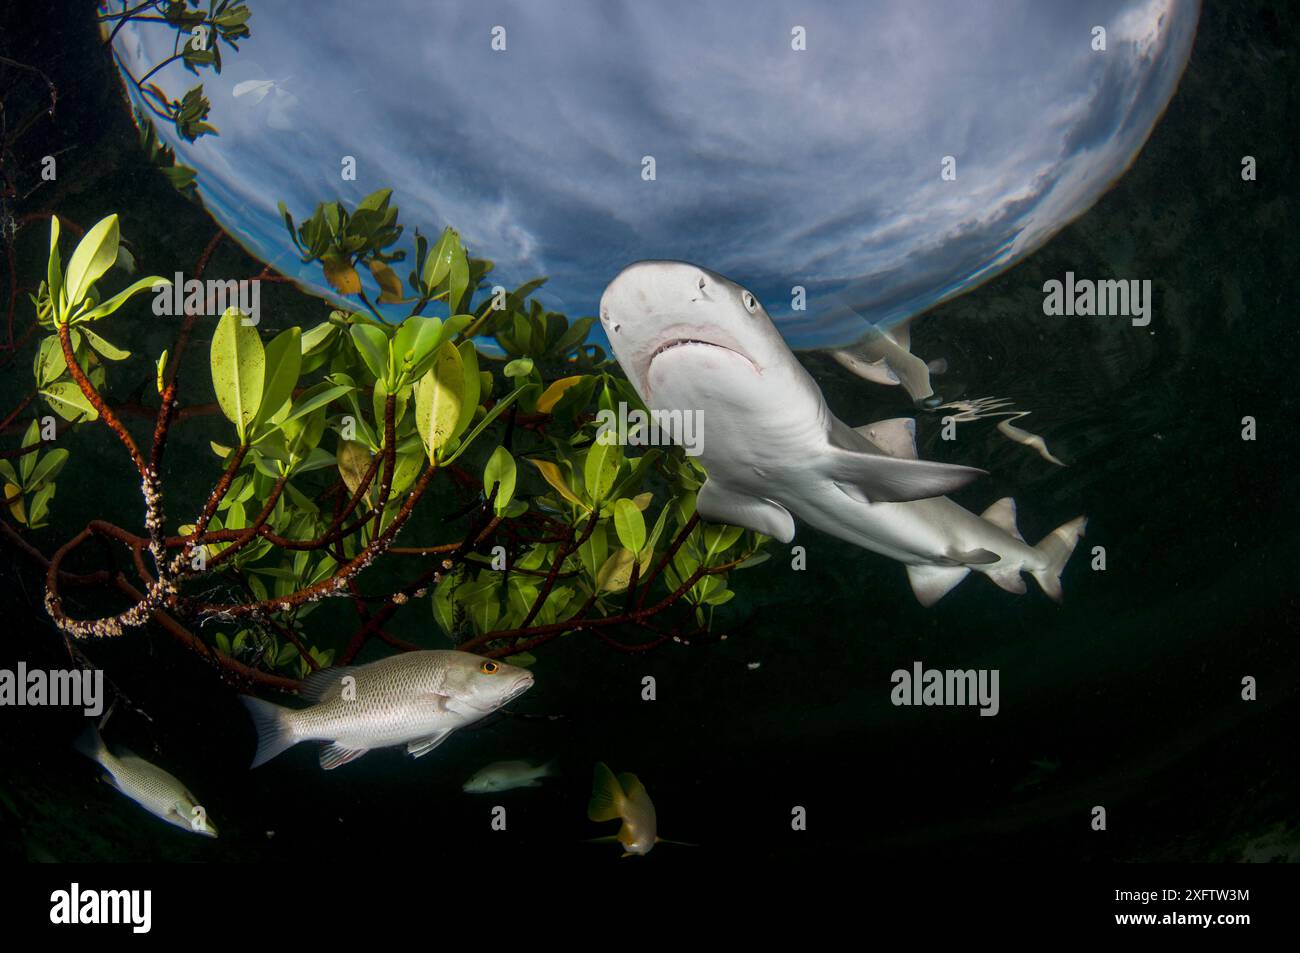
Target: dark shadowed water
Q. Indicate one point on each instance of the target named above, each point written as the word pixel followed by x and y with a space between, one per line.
pixel 1128 696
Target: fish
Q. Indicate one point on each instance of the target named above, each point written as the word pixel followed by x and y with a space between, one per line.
pixel 158 792
pixel 416 699
pixel 693 341
pixel 508 775
pixel 884 356
pixel 624 798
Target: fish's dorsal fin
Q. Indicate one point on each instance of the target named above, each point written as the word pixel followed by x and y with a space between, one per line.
pixel 719 505
pixel 1002 514
pixel 632 786
pixel 607 798
pixel 325 685
pixel 932 583
pixel 896 436
pixel 332 756
pixel 877 478
pixel 422 746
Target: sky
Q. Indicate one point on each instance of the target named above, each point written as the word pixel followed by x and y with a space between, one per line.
pixel 777 167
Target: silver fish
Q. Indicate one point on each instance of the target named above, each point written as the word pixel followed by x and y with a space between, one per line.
pixel 148 785
pixel 416 699
pixel 508 775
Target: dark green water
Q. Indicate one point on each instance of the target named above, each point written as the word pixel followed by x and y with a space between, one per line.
pixel 1131 689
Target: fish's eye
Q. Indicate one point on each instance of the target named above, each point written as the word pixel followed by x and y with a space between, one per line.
pixel 489 667
pixel 750 302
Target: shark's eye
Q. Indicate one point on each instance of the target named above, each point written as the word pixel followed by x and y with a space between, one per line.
pixel 489 668
pixel 750 302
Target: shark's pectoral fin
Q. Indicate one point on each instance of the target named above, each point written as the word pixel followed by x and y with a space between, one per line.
pixel 719 505
pixel 876 478
pixel 931 583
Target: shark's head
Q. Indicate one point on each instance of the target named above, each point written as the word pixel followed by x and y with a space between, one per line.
pixel 660 313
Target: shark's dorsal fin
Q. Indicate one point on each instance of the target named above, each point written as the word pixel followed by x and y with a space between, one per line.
pixel 896 436
pixel 719 505
pixel 1002 514
pixel 875 478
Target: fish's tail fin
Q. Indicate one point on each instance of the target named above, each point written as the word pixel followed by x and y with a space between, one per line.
pixel 550 769
pixel 274 730
pixel 1056 548
pixel 90 743
pixel 606 802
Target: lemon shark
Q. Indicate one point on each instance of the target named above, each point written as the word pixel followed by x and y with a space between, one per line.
pixel 694 342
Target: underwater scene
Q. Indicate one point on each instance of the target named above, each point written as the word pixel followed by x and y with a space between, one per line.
pixel 652 430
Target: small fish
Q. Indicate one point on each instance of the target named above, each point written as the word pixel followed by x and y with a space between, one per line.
pixel 508 775
pixel 624 798
pixel 416 699
pixel 148 785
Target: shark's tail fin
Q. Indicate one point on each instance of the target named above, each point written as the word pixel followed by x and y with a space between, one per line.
pixel 1056 548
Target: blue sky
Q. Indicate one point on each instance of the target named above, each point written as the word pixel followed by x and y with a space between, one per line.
pixel 777 168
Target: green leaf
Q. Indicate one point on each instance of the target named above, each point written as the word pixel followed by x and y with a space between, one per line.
pixel 54 271
pixel 107 351
pixel 238 370
pixel 438 400
pixel 616 572
pixel 315 396
pixel 630 525
pixel 473 385
pixel 502 473
pixel 283 362
pixel 482 425
pixel 354 460
pixel 457 277
pixel 520 367
pixel 47 468
pixel 94 255
pixel 601 467
pixel 438 263
pixel 50 363
pixel 67 400
pixel 105 308
pixel 317 336
pixel 372 345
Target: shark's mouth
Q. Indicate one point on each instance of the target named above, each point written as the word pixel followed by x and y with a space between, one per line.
pixel 674 343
